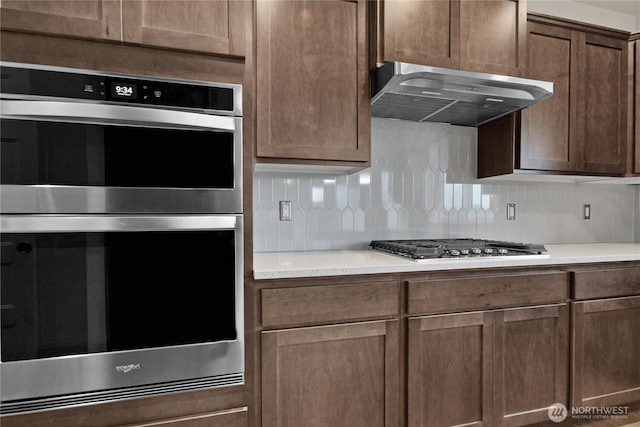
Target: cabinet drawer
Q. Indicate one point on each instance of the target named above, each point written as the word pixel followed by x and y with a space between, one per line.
pixel 441 295
pixel 236 417
pixel 314 304
pixel 606 283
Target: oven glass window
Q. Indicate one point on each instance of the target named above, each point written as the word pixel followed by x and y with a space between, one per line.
pixel 51 153
pixel 79 293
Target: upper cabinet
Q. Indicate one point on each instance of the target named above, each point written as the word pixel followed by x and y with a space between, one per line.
pixel 211 27
pixel 77 18
pixel 584 127
pixel 476 35
pixel 313 98
pixel 215 27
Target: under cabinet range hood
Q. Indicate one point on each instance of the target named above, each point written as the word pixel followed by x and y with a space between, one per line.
pixel 431 94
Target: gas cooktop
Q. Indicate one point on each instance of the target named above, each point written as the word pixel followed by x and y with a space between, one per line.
pixel 455 248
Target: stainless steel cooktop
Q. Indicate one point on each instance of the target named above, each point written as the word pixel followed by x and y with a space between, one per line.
pixel 423 249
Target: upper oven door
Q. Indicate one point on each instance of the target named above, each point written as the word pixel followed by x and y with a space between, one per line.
pixel 79 157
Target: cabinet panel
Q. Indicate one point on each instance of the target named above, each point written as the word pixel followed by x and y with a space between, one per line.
pixel 488 291
pixel 606 352
pixel 604 94
pixel 422 32
pixel 313 80
pixel 202 26
pixel 477 35
pixel 551 147
pixel 229 418
pixel 531 363
pixel 331 375
pixel 313 304
pixel 96 19
pixel 613 282
pixel 449 370
pixel 493 36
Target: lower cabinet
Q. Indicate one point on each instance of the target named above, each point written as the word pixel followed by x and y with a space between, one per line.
pixel 606 352
pixel 487 368
pixel 236 417
pixel 336 375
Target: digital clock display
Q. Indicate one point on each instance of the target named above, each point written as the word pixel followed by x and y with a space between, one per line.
pixel 124 90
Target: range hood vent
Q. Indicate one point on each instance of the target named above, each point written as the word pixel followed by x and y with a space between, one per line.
pixel 430 94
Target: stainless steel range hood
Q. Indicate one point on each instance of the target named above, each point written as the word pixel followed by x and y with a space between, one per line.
pixel 431 94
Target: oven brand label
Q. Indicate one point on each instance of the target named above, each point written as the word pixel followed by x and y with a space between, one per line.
pixel 127 368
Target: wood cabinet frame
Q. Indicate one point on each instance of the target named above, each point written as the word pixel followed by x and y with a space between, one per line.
pixel 583 337
pixel 274 342
pixel 301 144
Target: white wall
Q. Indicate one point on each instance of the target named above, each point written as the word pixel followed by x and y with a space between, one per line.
pixel 569 9
pixel 421 185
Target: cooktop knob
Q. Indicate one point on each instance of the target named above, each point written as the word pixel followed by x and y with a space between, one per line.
pixel 464 251
pixel 476 251
pixel 454 252
pixel 503 251
pixel 488 251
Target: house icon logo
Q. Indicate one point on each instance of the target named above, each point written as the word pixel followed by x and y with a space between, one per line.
pixel 557 412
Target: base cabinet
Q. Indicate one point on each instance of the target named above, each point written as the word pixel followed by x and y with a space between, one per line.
pixel 488 368
pixel 336 375
pixel 606 352
pixel 236 417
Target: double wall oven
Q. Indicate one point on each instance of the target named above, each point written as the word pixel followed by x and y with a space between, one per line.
pixel 121 228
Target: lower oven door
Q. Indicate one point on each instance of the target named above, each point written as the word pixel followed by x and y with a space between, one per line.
pixel 105 307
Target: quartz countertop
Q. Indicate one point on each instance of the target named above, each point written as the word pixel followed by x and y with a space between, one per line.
pixel 281 265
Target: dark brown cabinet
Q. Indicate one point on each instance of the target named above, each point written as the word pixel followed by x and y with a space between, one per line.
pixel 330 353
pixel 606 337
pixel 210 27
pixel 488 368
pixel 496 366
pixel 215 27
pixel 484 36
pixel 606 351
pixel 85 18
pixel 331 375
pixel 584 127
pixel 313 98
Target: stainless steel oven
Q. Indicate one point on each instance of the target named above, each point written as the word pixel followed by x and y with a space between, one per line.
pixel 122 236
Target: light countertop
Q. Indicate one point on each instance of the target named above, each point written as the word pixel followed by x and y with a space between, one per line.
pixel 281 265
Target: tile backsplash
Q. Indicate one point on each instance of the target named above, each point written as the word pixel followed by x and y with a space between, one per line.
pixel 421 184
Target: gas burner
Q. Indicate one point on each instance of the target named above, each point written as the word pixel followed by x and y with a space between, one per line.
pixel 455 248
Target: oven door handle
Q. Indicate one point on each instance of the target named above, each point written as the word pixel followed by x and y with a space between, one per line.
pixel 115 223
pixel 106 114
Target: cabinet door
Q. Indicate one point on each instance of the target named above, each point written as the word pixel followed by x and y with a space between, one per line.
pixel 493 36
pixel 422 32
pixel 95 19
pixel 603 98
pixel 549 131
pixel 450 370
pixel 606 352
pixel 215 27
pixel 343 375
pixel 313 95
pixel 530 363
pixel 477 35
